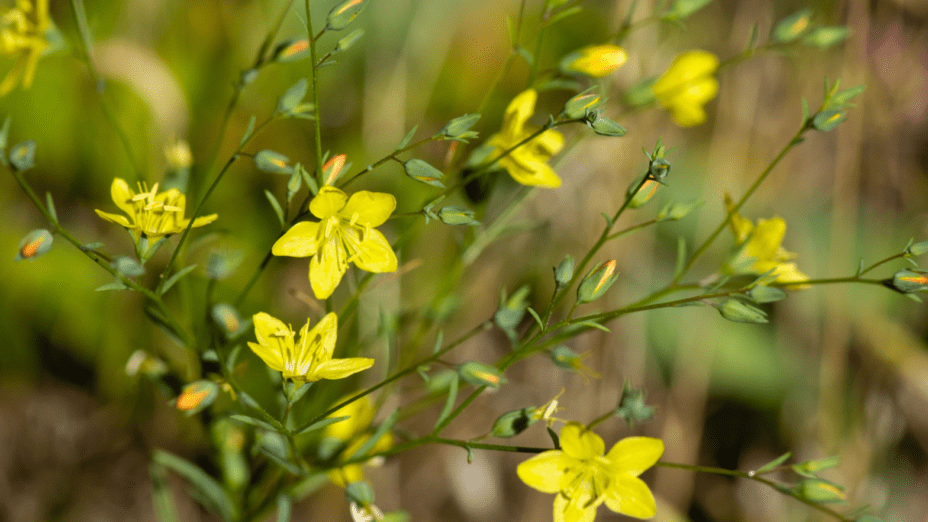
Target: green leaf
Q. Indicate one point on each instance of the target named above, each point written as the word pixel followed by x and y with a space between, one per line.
pixel 249 402
pixel 258 423
pixel 449 402
pixel 842 98
pixel 50 205
pixel 424 173
pixel 458 126
pixel 292 97
pixel 294 184
pixel 176 277
pixel 345 43
pixel 406 139
pixel 591 324
pixel 735 310
pixel 344 13
pixel 438 342
pixel 320 424
pixel 828 120
pixel 773 463
pixel 273 446
pixel 681 9
pixel 825 37
pixel 381 430
pixel 681 256
pixel 4 136
pixel 162 498
pixel 277 209
pixel 248 131
pixel 537 319
pixel 563 15
pixel 211 494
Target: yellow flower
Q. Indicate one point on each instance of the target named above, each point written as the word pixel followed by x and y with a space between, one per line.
pixel 583 478
pixel 760 248
pixel 354 433
pixel 344 235
pixel 308 360
pixel 151 215
pixel 596 61
pixel 22 36
pixel 688 85
pixel 528 163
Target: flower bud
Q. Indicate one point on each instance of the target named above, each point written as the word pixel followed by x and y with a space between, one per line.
pixel 606 127
pixel 907 281
pixel 227 319
pixel 596 282
pixel 596 61
pixel 644 194
pixel 360 493
pixel 793 26
pixel 332 168
pixel 479 374
pixel 457 216
pixel 513 423
pixel 564 272
pixel 821 491
pixel 765 294
pixel 580 105
pixel 917 249
pixel 459 126
pixel 36 243
pixel 343 14
pixel 345 43
pixel 735 310
pixel 273 162
pixel 291 50
pixel 423 172
pixel 564 357
pixel 197 396
pixel 811 467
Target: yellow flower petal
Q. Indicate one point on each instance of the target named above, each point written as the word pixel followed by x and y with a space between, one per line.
pixel 599 60
pixel 317 345
pixel 375 254
pixel 202 220
pixel 328 202
pixel 631 497
pixel 530 171
pixel 122 195
pixel 114 218
pixel 300 241
pixel 327 268
pixel 543 471
pixel 270 356
pixel 581 443
pixel 575 510
pixel 361 413
pixel 549 142
pixel 369 208
pixel 633 455
pixel 268 328
pixel 687 85
pixel 339 368
pixel 518 112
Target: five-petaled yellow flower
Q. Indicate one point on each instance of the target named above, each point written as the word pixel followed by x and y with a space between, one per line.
pixel 351 434
pixel 584 478
pixel 688 85
pixel 309 359
pixel 596 61
pixel 760 250
pixel 528 163
pixel 345 234
pixel 22 35
pixel 151 215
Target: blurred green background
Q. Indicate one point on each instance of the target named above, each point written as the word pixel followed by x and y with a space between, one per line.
pixel 841 369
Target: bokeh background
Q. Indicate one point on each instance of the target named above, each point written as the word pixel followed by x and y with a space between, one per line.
pixel 841 370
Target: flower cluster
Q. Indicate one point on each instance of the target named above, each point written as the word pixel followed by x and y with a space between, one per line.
pixel 150 214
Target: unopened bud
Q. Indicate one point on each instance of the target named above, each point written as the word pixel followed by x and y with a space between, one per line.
pixel 227 319
pixel 821 491
pixel 580 105
pixel 564 272
pixel 644 194
pixel 479 374
pixel 735 310
pixel 596 282
pixel 513 423
pixel 196 396
pixel 596 61
pixel 908 281
pixel 332 168
pixel 36 243
pixel 292 50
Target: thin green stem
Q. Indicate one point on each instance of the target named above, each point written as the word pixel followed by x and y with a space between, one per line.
pixel 881 262
pixel 760 179
pixel 317 121
pixel 389 157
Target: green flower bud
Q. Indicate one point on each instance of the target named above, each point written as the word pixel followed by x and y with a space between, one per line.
pixel 564 272
pixel 811 467
pixel 564 357
pixel 22 155
pixel 423 173
pixel 827 120
pixel 513 423
pixel 291 50
pixel 345 43
pixel 457 216
pixel 735 310
pixel 343 14
pixel 459 126
pixel 917 249
pixel 196 396
pixel 765 294
pixel 824 37
pixel 821 491
pixel 596 282
pixel 793 26
pixel 227 319
pixel 273 162
pixel 580 105
pixel 479 374
pixel 907 281
pixel 644 194
pixel 606 127
pixel 36 243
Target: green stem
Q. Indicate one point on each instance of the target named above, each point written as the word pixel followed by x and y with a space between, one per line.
pixel 392 156
pixel 317 121
pixel 760 179
pixel 883 261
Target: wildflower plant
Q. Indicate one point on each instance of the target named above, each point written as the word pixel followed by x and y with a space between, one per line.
pixel 286 411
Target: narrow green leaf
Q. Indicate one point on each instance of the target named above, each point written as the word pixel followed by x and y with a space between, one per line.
pixel 320 424
pixel 118 285
pixel 248 131
pixel 449 402
pixel 161 494
pixel 439 339
pixel 381 430
pixel 294 184
pixel 51 206
pixel 277 209
pixel 4 136
pixel 591 324
pixel 563 15
pixel 176 277
pixel 423 172
pixel 249 402
pixel 273 162
pixel 406 139
pixel 258 423
pixel 212 496
pixel 773 463
pixel 284 507
pixel 537 319
pixel 681 256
